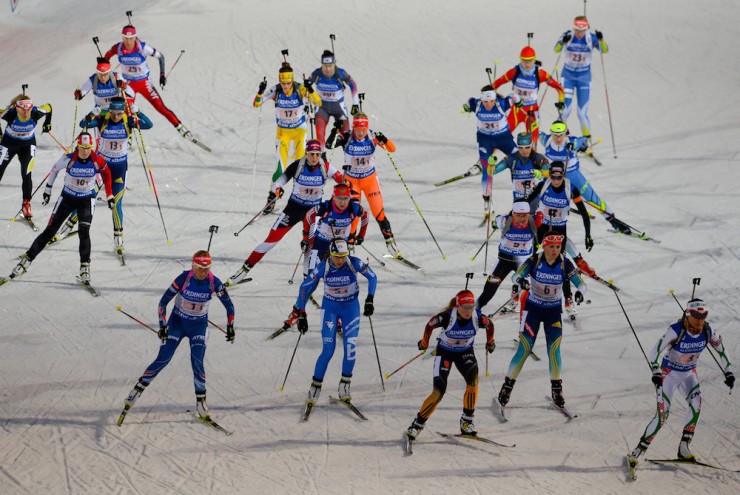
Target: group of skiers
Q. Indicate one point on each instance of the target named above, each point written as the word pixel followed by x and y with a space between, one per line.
pixel 545 187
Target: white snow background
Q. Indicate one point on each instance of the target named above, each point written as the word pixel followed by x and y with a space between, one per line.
pixel 68 360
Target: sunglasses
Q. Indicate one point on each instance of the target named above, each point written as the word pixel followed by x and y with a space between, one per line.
pixel 556 177
pixel 468 307
pixel 314 153
pixel 698 314
pixel 24 104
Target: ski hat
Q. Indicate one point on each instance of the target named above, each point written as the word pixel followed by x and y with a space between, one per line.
pixel 313 145
pixel 285 74
pixel 580 23
pixel 85 141
pixel 338 247
pixel 488 96
pixel 697 309
pixel 117 104
pixel 551 238
pixel 524 139
pixel 360 120
pixel 103 65
pixel 527 53
pixel 520 207
pixel 328 58
pixel 558 127
pixel 202 259
pixel 129 31
pixel 342 191
pixel 557 167
pixel 25 104
pixel 464 298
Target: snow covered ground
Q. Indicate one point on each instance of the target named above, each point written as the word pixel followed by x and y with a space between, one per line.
pixel 68 360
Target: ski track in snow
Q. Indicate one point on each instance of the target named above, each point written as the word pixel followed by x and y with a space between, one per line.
pixel 69 360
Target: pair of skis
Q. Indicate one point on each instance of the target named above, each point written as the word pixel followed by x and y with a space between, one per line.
pixel 561 409
pixel 632 465
pixel 344 402
pixel 409 441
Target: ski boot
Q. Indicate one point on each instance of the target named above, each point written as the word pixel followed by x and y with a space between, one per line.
pixel 134 394
pixel 118 240
pixel 240 275
pixel 21 267
pixel 466 425
pixel 683 448
pixel 505 393
pixel 584 267
pixel 184 132
pixel 313 392
pixel 85 272
pixel 27 208
pixel 344 393
pixel 557 393
pixel 415 428
pixel 390 241
pixel 620 226
pixel 201 408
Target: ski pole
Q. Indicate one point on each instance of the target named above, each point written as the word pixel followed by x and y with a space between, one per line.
pixel 296 268
pixel 377 356
pixel 388 375
pixel 256 145
pixel 555 67
pixel 488 233
pixel 495 228
pixel 213 229
pixel 74 122
pixel 608 107
pixel 291 360
pixel 32 194
pixel 218 327
pixel 270 202
pixel 58 142
pixel 118 308
pixel 175 64
pixel 708 347
pixel 381 262
pixel 444 257
pixel 633 329
pixel 138 145
pixel 154 186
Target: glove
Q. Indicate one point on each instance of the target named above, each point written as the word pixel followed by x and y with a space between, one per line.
pixel 466 107
pixel 262 87
pixel 566 38
pixel 88 118
pixel 657 376
pixel 578 297
pixel 163 333
pixel 381 138
pixel 490 347
pixel 331 138
pixel 729 379
pixel 538 218
pixel 46 128
pixel 589 243
pixel 421 345
pixel 584 147
pixel 309 87
pixel 523 283
pixel 559 105
pixel 162 80
pixel 279 192
pixel 514 290
pixel 359 241
pixel 355 110
pixel 304 245
pixel 111 202
pixel 599 35
pixel 230 333
pixel 47 198
pixel 302 321
pixel 537 173
pixel 338 124
pixel 369 308
pixel 78 94
pixel 272 197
